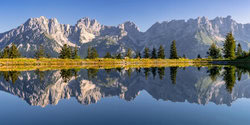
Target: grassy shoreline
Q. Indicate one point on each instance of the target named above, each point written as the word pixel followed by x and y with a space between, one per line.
pixel 98 61
pixel 23 64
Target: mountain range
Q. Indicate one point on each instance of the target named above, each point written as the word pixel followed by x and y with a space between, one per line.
pixel 193 36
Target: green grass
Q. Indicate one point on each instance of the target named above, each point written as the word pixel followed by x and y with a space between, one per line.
pixel 56 61
pixel 23 64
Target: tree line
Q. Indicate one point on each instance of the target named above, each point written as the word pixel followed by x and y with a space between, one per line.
pixel 147 53
pixel 10 52
pixel 229 50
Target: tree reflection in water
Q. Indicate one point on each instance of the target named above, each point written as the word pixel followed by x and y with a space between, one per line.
pixel 173 74
pixel 229 74
pixel 94 84
pixel 40 74
pixel 229 77
pixel 92 73
pixel 67 74
pixel 129 71
pixel 153 70
pixel 214 72
pixel 161 72
pixel 146 72
pixel 10 75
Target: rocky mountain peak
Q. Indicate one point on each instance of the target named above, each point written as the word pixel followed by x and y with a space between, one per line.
pixel 37 21
pixel 88 23
pixel 202 20
pixel 128 25
pixel 42 24
pixel 192 36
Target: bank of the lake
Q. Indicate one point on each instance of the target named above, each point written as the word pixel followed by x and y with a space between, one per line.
pixel 55 63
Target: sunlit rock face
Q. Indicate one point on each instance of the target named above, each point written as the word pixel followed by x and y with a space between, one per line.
pixel 39 88
pixel 192 37
pixel 52 35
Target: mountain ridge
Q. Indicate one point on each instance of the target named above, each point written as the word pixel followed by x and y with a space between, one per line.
pixel 193 36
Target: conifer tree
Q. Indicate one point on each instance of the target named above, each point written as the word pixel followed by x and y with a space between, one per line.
pixel 184 56
pixel 146 52
pixel 239 51
pixel 119 56
pixel 88 53
pixel 214 52
pixel 75 53
pixel 108 55
pixel 229 46
pixel 94 53
pixel 138 54
pixel 48 55
pixel 199 56
pixel 129 53
pixel 5 53
pixel 153 54
pixel 63 52
pixel 173 51
pixel 14 53
pixel 161 52
pixel 68 52
pixel 40 52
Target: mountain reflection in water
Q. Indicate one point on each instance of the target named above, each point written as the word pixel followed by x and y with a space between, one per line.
pixel 220 85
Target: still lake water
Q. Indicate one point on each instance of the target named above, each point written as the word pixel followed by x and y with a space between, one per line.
pixel 147 96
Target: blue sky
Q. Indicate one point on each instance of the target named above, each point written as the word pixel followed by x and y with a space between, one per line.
pixel 144 13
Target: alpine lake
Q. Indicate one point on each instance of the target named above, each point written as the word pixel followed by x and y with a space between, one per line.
pixel 204 95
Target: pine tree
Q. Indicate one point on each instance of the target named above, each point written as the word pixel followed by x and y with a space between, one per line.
pixel 214 52
pixel 5 53
pixel 129 53
pixel 229 46
pixel 199 56
pixel 138 54
pixel 14 53
pixel 161 52
pixel 94 53
pixel 153 54
pixel 108 55
pixel 119 56
pixel 184 56
pixel 40 52
pixel 75 53
pixel 89 53
pixel 68 52
pixel 173 51
pixel 146 52
pixel 48 55
pixel 63 52
pixel 239 52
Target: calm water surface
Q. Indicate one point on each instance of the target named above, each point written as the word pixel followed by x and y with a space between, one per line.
pixel 147 96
